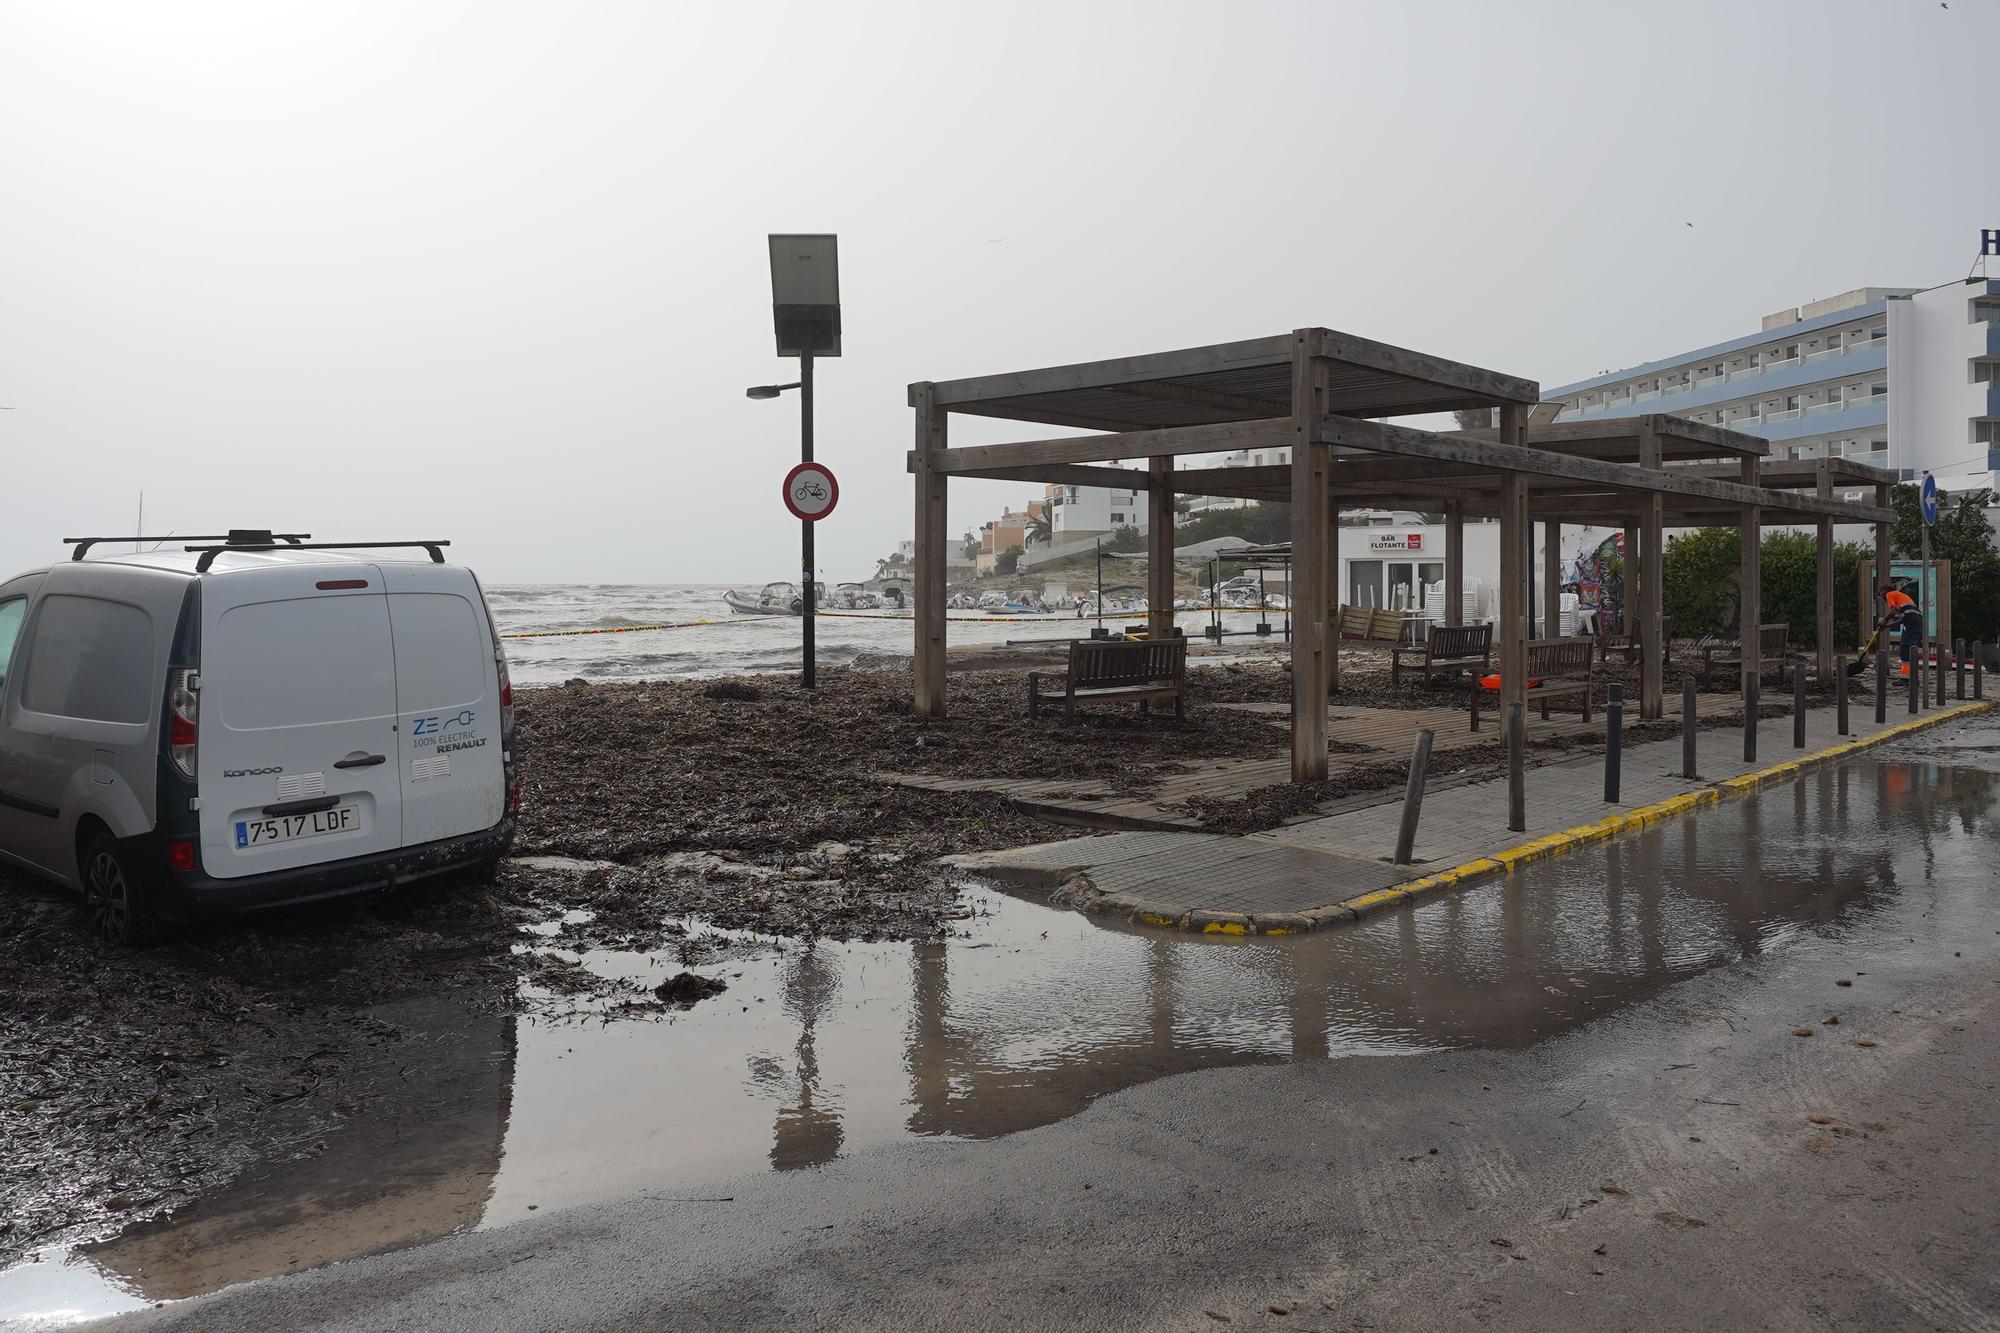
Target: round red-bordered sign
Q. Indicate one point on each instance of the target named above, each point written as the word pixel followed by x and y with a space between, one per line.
pixel 811 492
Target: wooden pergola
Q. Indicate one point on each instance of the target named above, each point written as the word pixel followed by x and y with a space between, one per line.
pixel 1322 394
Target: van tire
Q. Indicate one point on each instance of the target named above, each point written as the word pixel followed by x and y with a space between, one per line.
pixel 117 895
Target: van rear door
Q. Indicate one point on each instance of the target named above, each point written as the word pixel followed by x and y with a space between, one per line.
pixel 448 698
pixel 296 756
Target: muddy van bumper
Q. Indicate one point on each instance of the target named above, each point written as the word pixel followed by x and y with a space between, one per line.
pixel 192 895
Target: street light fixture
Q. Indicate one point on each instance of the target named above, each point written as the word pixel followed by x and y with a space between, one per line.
pixel 805 314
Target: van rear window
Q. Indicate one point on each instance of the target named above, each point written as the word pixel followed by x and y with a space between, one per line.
pixel 90 659
pixel 300 662
pixel 441 651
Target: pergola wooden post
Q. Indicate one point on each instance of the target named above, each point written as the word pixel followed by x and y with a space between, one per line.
pixel 1160 549
pixel 1312 517
pixel 1750 578
pixel 1514 555
pixel 1551 578
pixel 1883 534
pixel 928 585
pixel 1454 562
pixel 1651 582
pixel 1333 595
pixel 1823 592
pixel 1628 613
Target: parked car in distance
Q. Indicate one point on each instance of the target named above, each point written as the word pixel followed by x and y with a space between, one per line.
pixel 250 721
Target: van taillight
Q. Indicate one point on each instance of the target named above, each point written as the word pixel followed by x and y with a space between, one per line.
pixel 180 854
pixel 506 703
pixel 183 719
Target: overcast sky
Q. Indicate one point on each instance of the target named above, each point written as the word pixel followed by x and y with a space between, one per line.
pixel 497 272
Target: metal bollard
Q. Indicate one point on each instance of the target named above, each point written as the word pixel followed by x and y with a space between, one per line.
pixel 1689 726
pixel 1517 792
pixel 1916 670
pixel 1938 696
pixel 1751 683
pixel 1978 669
pixel 1881 686
pixel 1798 703
pixel 1840 695
pixel 1958 668
pixel 1413 798
pixel 1614 726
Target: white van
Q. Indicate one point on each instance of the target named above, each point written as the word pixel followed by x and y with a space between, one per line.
pixel 248 722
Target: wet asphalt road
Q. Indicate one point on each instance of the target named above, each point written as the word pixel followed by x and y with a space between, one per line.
pixel 1685 1161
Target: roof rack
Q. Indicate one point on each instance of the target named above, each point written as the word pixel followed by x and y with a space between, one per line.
pixel 236 536
pixel 208 553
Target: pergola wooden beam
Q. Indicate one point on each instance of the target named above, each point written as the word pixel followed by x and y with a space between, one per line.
pixel 1060 474
pixel 1512 458
pixel 1629 431
pixel 1221 437
pixel 1118 371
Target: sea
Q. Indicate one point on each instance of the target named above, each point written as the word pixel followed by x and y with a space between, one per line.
pixel 706 638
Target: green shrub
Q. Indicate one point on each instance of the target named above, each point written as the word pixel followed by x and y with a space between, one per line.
pixel 1701 585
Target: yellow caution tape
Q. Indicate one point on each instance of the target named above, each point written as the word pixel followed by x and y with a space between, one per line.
pixel 608 629
pixel 1030 618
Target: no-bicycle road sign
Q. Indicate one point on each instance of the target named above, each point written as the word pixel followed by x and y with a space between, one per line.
pixel 811 492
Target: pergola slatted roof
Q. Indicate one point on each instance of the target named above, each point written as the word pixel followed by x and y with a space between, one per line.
pixel 1242 381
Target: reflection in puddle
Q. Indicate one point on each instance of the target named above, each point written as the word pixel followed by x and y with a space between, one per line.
pixel 824 1048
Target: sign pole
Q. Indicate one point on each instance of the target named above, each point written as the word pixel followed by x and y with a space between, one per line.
pixel 806 528
pixel 1927 507
pixel 1923 662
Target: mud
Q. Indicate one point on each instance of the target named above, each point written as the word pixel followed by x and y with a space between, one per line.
pixel 131 1083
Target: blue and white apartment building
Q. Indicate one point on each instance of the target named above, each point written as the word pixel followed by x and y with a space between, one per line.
pixel 1895 376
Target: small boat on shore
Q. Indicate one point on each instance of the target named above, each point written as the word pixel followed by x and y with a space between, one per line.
pixel 773 599
pixel 854 597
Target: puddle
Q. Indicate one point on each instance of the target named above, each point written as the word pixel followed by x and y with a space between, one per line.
pixel 819 1050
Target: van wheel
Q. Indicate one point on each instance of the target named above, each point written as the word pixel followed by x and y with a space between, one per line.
pixel 116 906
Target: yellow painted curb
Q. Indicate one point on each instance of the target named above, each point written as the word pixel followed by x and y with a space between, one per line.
pixel 1554 844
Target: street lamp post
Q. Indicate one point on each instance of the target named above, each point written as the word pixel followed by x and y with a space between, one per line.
pixel 805 313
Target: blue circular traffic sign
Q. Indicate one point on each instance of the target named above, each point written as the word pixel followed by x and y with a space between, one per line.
pixel 1927 498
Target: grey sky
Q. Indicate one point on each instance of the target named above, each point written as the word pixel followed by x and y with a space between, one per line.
pixel 496 272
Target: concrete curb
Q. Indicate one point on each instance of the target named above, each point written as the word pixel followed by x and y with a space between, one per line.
pixel 1629 821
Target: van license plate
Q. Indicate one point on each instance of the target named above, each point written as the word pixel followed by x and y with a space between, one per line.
pixel 285 828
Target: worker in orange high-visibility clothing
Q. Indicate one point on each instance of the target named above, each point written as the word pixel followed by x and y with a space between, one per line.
pixel 1903 616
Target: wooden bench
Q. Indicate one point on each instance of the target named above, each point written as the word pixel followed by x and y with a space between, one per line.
pixel 1770 654
pixel 1135 670
pixel 1446 649
pixel 1628 648
pixel 1555 666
